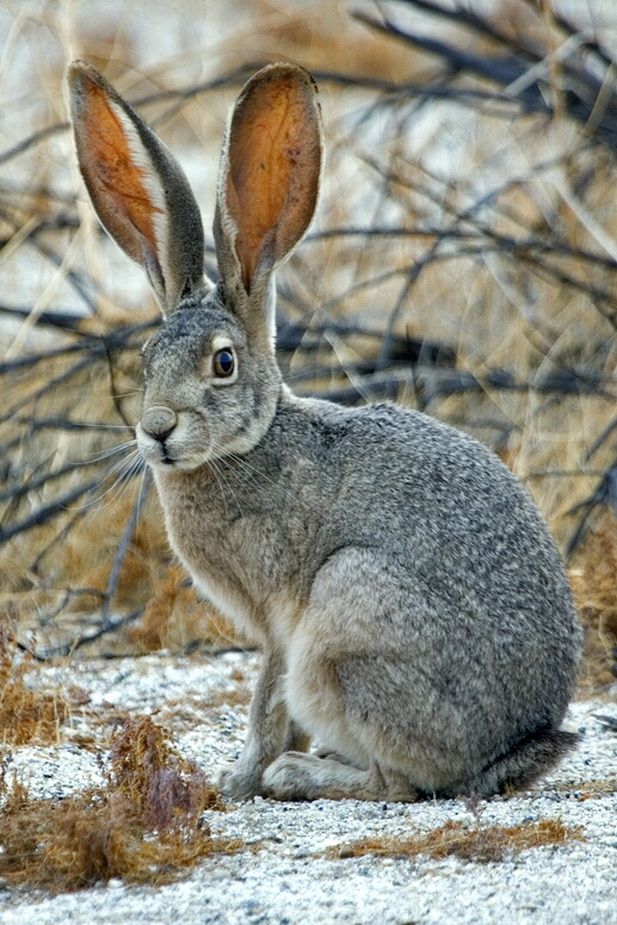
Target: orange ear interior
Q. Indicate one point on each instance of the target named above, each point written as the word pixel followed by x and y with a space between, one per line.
pixel 115 183
pixel 274 165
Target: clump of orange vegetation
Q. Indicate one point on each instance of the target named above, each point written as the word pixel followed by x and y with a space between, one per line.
pixel 175 617
pixel 594 585
pixel 143 825
pixel 27 716
pixel 90 547
pixel 480 844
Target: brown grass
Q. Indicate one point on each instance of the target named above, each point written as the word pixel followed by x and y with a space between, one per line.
pixel 481 845
pixel 594 584
pixel 589 789
pixel 175 617
pixel 189 711
pixel 27 716
pixel 143 825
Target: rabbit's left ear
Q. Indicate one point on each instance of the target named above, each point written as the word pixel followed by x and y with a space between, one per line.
pixel 269 177
pixel 139 191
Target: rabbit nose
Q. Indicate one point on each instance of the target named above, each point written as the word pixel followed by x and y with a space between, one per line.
pixel 158 422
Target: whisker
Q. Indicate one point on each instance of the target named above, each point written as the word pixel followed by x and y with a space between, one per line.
pixel 122 472
pixel 227 490
pixel 243 463
pixel 245 478
pixel 105 454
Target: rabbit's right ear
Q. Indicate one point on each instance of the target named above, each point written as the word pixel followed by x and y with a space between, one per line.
pixel 268 185
pixel 138 190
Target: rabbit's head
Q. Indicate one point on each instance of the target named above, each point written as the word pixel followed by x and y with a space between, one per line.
pixel 211 378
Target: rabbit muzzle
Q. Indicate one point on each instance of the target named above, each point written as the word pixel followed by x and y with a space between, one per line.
pixel 154 433
pixel 170 439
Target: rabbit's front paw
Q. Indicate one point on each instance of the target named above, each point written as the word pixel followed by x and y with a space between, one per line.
pixel 240 782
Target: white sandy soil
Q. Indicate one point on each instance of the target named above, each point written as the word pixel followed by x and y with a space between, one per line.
pixel 284 882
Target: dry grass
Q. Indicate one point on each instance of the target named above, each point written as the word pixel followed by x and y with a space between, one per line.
pixel 481 845
pixel 143 825
pixel 27 716
pixel 594 584
pixel 175 617
pixel 189 713
pixel 589 789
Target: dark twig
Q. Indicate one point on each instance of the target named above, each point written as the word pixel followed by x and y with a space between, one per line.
pixel 605 493
pixel 112 626
pixel 123 546
pixel 46 513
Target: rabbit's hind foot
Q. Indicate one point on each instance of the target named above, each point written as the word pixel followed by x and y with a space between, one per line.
pixel 298 776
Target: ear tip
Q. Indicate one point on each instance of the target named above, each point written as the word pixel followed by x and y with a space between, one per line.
pixel 285 71
pixel 79 74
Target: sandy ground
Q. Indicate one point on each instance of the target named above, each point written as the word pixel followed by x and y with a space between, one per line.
pixel 286 880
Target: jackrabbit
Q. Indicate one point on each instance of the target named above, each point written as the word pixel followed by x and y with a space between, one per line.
pixel 413 610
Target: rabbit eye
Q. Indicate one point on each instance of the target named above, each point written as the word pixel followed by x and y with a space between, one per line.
pixel 223 363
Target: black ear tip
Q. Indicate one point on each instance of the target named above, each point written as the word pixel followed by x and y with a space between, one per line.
pixel 79 74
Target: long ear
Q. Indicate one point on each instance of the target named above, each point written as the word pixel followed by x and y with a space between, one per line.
pixel 139 191
pixel 268 179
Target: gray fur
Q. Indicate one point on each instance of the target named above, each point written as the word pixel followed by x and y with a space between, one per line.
pixel 413 609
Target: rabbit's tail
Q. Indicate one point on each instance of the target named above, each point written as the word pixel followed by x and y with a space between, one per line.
pixel 529 758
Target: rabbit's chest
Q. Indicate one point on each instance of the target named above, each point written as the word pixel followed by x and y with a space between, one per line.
pixel 239 563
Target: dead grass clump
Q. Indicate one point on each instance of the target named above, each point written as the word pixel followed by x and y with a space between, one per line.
pixel 594 585
pixel 166 787
pixel 175 618
pixel 483 844
pixel 27 716
pixel 591 789
pixel 238 696
pixel 143 825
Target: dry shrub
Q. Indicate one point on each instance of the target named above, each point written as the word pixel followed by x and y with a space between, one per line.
pixel 499 311
pixel 321 32
pixel 167 789
pixel 482 844
pixel 142 825
pixel 27 716
pixel 175 617
pixel 594 584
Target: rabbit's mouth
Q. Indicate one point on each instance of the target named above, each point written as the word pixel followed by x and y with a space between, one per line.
pixel 165 458
pixel 165 449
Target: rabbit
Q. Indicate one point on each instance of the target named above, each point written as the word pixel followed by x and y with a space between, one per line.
pixel 412 608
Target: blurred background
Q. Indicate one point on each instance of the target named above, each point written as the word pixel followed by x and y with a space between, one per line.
pixel 463 262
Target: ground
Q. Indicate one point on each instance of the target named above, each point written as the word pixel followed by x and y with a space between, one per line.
pixel 290 869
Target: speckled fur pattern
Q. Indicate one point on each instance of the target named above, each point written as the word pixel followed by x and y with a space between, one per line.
pixel 413 609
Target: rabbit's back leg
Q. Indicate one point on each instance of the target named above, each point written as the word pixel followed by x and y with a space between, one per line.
pixel 365 676
pixel 298 776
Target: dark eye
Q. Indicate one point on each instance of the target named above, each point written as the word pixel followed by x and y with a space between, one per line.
pixel 223 363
